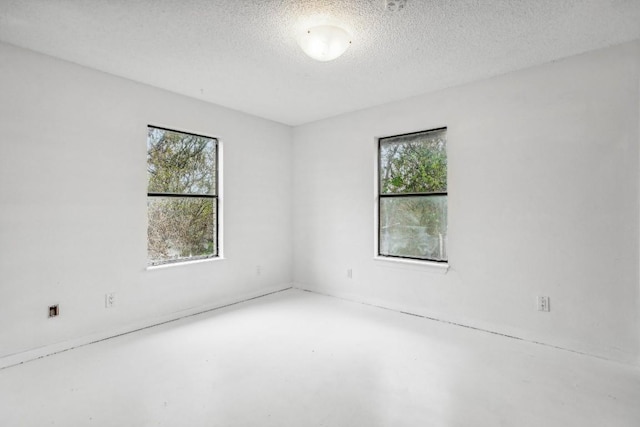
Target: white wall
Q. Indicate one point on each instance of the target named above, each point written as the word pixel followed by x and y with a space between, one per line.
pixel 543 184
pixel 73 203
pixel 543 200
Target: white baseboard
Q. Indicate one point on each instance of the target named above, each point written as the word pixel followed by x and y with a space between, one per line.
pixel 48 350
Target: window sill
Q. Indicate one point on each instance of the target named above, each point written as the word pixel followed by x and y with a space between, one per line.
pixel 183 263
pixel 435 267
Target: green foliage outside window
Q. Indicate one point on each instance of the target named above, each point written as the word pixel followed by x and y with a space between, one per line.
pixel 182 198
pixel 413 196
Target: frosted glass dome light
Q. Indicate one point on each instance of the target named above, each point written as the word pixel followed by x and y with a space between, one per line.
pixel 325 42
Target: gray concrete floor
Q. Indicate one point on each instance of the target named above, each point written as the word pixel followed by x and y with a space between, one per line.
pixel 299 359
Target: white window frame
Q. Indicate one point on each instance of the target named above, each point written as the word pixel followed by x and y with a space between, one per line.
pixel 397 261
pixel 218 197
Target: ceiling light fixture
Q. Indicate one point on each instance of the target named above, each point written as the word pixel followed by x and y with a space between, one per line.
pixel 325 42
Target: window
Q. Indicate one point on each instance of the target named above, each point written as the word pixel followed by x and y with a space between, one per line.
pixel 182 196
pixel 412 190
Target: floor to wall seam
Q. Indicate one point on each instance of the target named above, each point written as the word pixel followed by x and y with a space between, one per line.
pixel 331 296
pixel 144 328
pixel 488 331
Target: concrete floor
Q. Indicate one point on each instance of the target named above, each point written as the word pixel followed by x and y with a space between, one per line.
pixel 299 359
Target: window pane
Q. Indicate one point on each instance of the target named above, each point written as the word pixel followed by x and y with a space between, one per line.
pixel 181 228
pixel 180 163
pixel 415 163
pixel 414 227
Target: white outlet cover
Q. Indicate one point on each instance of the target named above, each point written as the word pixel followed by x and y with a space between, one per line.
pixel 109 300
pixel 543 303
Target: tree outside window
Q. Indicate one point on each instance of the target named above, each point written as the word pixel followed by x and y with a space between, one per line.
pixel 412 209
pixel 182 196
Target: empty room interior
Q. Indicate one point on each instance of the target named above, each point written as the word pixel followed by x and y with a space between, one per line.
pixel 320 213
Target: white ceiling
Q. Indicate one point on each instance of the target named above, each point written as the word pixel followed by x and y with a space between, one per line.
pixel 243 54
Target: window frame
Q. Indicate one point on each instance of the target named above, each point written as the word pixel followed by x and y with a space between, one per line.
pixel 216 201
pixel 380 196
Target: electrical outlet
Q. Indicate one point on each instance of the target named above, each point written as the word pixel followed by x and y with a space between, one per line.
pixel 258 270
pixel 349 273
pixel 110 300
pixel 54 310
pixel 544 303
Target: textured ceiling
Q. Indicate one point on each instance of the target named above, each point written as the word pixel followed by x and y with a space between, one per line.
pixel 243 54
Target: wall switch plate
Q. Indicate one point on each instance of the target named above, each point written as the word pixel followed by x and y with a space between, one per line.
pixel 349 273
pixel 544 303
pixel 109 300
pixel 258 270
